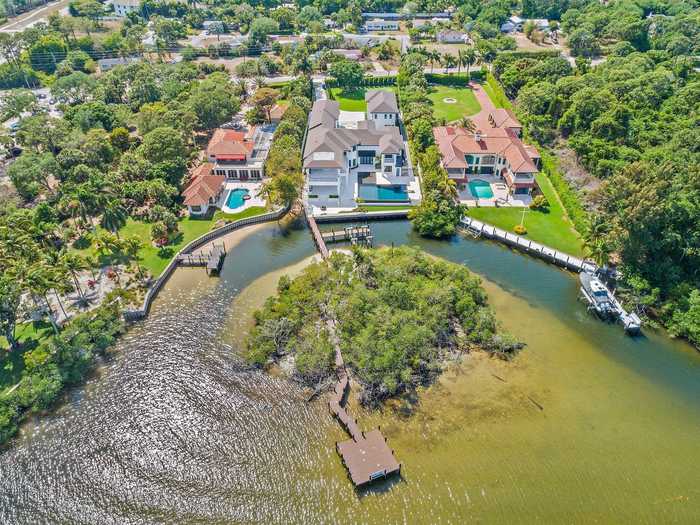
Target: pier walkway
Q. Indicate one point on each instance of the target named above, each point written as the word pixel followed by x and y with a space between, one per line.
pixel 316 233
pixel 478 229
pixel 367 455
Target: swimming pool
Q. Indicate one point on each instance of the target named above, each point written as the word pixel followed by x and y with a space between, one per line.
pixel 235 198
pixel 480 189
pixel 371 192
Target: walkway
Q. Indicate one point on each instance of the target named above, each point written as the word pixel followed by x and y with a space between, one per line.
pixel 478 228
pixel 482 97
pixel 367 456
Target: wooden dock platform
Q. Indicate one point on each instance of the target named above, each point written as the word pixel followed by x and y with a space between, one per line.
pixel 212 261
pixel 367 455
pixel 353 234
pixel 318 238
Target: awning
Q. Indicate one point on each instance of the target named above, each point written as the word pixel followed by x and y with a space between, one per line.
pixel 230 157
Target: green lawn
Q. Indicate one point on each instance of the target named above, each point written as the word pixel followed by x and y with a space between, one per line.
pixel 354 100
pixel 466 104
pixel 156 259
pixel 382 208
pixel 553 228
pixel 12 363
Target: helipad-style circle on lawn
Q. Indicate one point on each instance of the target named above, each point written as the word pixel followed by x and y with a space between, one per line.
pixel 449 100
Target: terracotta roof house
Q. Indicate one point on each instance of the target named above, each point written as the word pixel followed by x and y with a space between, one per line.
pixel 277 112
pixel 239 155
pixel 493 151
pixel 344 164
pixel 204 189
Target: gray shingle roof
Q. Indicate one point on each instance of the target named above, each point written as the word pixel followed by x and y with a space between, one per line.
pixel 380 101
pixel 326 144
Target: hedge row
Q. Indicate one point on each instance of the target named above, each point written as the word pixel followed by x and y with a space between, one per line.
pixel 366 82
pixel 568 196
pixel 460 79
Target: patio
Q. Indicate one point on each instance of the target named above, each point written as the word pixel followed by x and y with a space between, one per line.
pixel 253 190
pixel 501 195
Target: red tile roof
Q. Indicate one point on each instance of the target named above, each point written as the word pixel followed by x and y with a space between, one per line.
pixel 229 142
pixel 203 185
pixel 455 142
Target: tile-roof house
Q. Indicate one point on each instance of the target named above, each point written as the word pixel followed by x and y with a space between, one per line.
pixel 382 108
pixel 232 153
pixel 203 190
pixel 493 149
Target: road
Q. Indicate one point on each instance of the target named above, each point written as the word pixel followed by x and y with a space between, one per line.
pixel 30 18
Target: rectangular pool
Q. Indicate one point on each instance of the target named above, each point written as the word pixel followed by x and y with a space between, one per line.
pixel 371 192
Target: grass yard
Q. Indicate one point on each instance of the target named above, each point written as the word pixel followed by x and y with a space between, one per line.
pixel 553 228
pixel 466 104
pixel 12 363
pixel 354 100
pixel 156 259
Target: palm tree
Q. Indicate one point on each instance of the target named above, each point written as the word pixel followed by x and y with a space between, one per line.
pixel 467 124
pixel 434 57
pixel 599 251
pixel 37 281
pixel 448 60
pixel 132 245
pixel 74 263
pixel 448 187
pixel 105 244
pixel 114 217
pixel 469 58
pixel 461 61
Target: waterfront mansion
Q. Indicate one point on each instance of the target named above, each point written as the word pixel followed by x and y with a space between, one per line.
pixel 492 154
pixel 355 157
pixel 235 160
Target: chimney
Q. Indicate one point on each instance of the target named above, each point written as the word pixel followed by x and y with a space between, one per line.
pixel 477 135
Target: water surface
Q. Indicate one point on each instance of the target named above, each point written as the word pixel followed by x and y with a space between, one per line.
pixel 176 428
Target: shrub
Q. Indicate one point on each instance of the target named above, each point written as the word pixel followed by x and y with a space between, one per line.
pixel 520 229
pixel 539 203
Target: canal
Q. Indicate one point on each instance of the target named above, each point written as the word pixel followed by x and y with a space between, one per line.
pixel 585 425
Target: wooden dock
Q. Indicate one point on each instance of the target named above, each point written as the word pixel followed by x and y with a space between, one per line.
pixel 318 238
pixel 367 455
pixel 212 261
pixel 478 229
pixel 353 234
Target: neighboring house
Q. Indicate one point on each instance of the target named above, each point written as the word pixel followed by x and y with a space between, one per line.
pixel 379 24
pixel 105 64
pixel 124 7
pixel 344 165
pixel 329 23
pixel 204 190
pixel 382 108
pixel 450 36
pixel 277 112
pixel 494 150
pixel 513 24
pixel 239 155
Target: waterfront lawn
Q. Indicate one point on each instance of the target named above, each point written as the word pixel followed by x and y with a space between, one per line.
pixel 354 100
pixel 12 363
pixel 156 259
pixel 466 104
pixel 552 228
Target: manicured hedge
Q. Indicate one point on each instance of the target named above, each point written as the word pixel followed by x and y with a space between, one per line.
pixel 366 82
pixel 569 197
pixel 460 79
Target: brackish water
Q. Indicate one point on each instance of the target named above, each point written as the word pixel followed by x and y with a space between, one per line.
pixel 175 427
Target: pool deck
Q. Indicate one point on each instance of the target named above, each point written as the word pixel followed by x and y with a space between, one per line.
pixel 253 189
pixel 501 196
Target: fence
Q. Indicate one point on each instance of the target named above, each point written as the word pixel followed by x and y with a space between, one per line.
pixel 131 315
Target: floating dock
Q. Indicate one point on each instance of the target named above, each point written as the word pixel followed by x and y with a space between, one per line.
pixel 212 261
pixel 478 229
